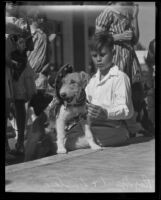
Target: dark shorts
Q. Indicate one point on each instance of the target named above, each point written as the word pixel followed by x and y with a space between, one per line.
pixel 106 136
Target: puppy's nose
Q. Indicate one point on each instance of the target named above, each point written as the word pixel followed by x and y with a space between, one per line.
pixel 63 95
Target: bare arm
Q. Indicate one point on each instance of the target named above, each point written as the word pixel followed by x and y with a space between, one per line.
pixel 130 35
pixel 125 36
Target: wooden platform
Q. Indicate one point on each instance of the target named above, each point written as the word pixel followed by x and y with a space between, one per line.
pixel 128 168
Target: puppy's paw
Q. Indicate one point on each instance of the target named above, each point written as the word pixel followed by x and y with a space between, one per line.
pixel 61 150
pixel 96 147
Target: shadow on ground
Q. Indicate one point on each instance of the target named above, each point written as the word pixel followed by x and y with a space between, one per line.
pixel 140 139
pixel 137 140
pixel 7 182
pixel 17 159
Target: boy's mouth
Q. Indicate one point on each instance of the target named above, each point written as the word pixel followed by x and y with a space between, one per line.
pixel 100 65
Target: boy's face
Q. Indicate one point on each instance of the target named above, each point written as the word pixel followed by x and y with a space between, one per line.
pixel 102 59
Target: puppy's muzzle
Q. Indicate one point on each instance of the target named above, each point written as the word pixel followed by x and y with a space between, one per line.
pixel 66 98
pixel 63 96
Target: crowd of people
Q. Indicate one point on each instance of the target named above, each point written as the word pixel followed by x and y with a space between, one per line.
pixel 27 55
pixel 125 101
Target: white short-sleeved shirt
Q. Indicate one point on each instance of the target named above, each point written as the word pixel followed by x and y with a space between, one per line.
pixel 113 93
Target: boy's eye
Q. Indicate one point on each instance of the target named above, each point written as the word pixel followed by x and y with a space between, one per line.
pixel 94 55
pixel 102 54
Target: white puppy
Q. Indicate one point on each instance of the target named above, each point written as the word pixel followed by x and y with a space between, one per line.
pixel 72 92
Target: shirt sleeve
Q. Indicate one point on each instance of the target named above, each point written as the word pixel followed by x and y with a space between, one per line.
pixel 87 89
pixel 104 20
pixel 122 107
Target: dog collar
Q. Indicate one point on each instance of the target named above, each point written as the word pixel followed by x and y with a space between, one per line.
pixel 79 102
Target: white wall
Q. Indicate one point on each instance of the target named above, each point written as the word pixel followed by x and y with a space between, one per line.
pixel 146 19
pixel 66 19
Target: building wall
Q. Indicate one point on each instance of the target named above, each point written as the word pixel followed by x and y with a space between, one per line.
pixel 146 19
pixel 66 19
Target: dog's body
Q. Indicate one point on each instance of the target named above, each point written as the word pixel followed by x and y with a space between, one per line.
pixel 72 92
pixel 66 114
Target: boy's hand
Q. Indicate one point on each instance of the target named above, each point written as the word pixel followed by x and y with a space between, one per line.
pixel 96 112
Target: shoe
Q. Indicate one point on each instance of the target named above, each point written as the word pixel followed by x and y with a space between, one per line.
pixel 19 149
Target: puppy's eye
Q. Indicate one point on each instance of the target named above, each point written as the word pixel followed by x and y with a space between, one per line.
pixel 72 81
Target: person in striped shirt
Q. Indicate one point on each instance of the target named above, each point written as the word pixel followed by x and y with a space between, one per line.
pixel 40 57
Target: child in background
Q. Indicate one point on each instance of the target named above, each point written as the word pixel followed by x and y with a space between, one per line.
pixel 150 99
pixel 23 88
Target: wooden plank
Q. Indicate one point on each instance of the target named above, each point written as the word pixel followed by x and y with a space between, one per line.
pixel 128 168
pixel 47 160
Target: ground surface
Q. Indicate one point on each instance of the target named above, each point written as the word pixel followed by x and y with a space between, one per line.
pixel 130 168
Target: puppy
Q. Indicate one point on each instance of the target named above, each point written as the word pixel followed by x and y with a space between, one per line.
pixel 72 91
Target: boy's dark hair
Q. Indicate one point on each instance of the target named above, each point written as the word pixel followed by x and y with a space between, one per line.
pixel 100 40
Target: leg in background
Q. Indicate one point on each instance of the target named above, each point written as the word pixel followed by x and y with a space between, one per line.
pixel 21 119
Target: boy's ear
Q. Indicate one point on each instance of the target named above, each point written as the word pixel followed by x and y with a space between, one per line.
pixel 84 78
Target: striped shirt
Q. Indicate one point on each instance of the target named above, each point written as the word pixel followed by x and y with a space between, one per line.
pixel 117 20
pixel 37 57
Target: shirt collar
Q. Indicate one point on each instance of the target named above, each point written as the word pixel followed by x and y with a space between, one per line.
pixel 112 72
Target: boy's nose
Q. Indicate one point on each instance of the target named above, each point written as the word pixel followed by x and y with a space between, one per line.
pixel 98 57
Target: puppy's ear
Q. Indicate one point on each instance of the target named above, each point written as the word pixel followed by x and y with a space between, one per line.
pixel 84 78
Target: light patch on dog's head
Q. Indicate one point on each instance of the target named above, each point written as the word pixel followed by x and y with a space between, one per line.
pixel 71 79
pixel 84 78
